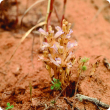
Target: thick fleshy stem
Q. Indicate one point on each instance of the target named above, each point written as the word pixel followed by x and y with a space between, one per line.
pixel 49 70
pixel 63 15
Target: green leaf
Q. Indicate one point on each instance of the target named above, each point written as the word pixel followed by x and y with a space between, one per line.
pixel 7 108
pixel 52 82
pixel 59 83
pixel 53 101
pixel 52 87
pixel 12 106
pixel 84 60
pixel 54 79
pixel 58 80
pixel 8 104
pixel 84 68
pixel 57 86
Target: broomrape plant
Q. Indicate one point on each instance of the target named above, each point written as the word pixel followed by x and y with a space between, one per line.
pixel 58 56
pixel 57 53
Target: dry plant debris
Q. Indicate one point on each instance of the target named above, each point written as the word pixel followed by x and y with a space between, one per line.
pixel 106 63
pixel 93 100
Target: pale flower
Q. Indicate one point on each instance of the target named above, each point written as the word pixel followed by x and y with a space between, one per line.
pixel 43 32
pixel 45 44
pixel 58 60
pixel 70 45
pixel 69 65
pixel 71 31
pixel 69 56
pixel 59 32
pixel 60 49
pixel 55 47
pixel 41 57
pixel 58 28
pixel 69 34
pixel 52 31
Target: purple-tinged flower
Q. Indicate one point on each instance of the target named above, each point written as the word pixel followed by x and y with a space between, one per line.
pixel 69 65
pixel 55 47
pixel 45 44
pixel 41 57
pixel 60 32
pixel 43 32
pixel 58 60
pixel 69 34
pixel 58 28
pixel 75 43
pixel 60 49
pixel 71 31
pixel 70 45
pixel 55 62
pixel 52 31
pixel 69 56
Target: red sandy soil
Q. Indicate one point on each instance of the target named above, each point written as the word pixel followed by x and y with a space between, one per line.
pixel 93 37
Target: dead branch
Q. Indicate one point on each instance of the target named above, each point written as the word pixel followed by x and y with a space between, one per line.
pixel 68 102
pixel 106 64
pixel 93 100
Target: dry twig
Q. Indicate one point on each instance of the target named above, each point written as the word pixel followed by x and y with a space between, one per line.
pixel 93 100
pixel 106 64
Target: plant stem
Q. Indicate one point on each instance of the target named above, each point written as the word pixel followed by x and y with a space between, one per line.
pixel 76 90
pixel 49 11
pixel 49 70
pixel 62 77
pixel 64 7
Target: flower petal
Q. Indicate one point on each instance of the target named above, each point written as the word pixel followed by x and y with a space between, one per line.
pixel 70 45
pixel 52 31
pixel 54 62
pixel 41 57
pixel 58 60
pixel 55 47
pixel 45 44
pixel 71 31
pixel 58 28
pixel 69 65
pixel 43 32
pixel 69 56
pixel 58 34
pixel 68 36
pixel 75 44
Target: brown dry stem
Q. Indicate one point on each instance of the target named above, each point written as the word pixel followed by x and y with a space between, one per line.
pixel 93 100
